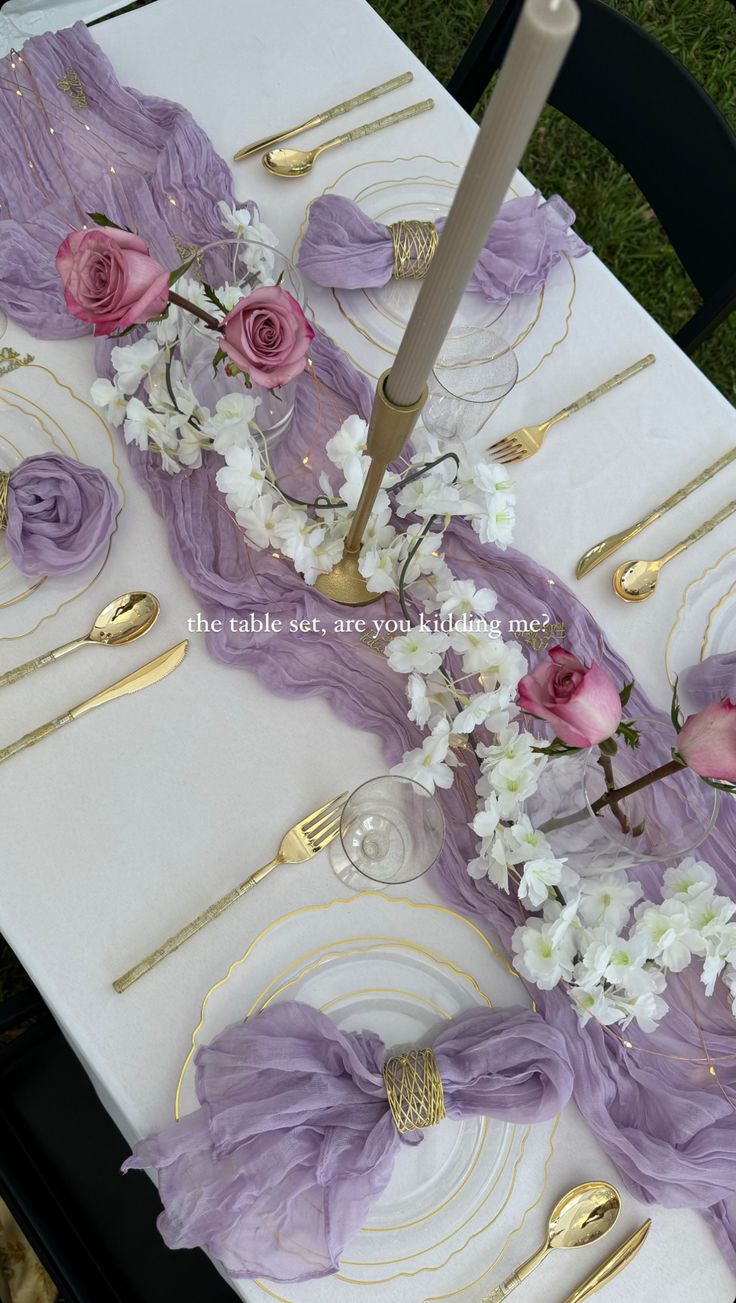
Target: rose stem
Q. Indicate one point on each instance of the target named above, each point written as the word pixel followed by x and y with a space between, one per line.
pixel 605 763
pixel 618 794
pixel 196 311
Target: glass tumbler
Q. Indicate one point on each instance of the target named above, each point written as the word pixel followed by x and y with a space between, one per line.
pixel 391 831
pixel 474 371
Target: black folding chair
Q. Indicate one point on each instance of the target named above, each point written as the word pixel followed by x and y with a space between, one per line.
pixel 60 1155
pixel 625 89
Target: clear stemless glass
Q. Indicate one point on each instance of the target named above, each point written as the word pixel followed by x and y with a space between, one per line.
pixel 391 831
pixel 474 371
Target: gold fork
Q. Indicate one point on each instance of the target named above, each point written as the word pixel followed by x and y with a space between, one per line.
pixel 300 843
pixel 525 442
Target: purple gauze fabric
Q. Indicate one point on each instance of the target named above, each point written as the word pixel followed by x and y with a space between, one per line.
pixel 713 679
pixel 294 1140
pixel 668 1125
pixel 60 514
pixel 342 248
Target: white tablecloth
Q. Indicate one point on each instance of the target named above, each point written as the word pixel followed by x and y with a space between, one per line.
pixel 124 825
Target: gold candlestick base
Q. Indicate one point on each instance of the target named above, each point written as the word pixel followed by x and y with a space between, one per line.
pixel 345 584
pixel 389 429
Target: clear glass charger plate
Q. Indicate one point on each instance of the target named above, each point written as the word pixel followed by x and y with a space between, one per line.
pixel 39 413
pixel 400 969
pixel 369 323
pixel 705 620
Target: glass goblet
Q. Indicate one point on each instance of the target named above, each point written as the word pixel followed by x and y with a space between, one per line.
pixel 474 371
pixel 391 831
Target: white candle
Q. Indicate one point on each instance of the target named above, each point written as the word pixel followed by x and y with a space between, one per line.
pixel 543 34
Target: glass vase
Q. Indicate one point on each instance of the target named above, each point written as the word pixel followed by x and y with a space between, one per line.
pixel 659 823
pixel 246 265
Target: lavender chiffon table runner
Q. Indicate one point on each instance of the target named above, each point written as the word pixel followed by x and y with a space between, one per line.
pixel 667 1126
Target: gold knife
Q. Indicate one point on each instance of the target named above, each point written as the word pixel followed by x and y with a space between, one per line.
pixel 326 115
pixel 141 678
pixel 612 1265
pixel 593 557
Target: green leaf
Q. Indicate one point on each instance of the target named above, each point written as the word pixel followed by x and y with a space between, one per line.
pixel 118 334
pixel 280 278
pixel 220 356
pixel 722 786
pixel 210 294
pixel 625 693
pixel 675 712
pixel 100 220
pixel 629 734
pixel 179 271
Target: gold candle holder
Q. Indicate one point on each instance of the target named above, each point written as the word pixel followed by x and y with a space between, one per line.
pixel 388 431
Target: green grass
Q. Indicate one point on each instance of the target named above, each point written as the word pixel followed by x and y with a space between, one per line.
pixel 612 213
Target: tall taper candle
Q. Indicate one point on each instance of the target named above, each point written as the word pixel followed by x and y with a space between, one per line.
pixel 543 34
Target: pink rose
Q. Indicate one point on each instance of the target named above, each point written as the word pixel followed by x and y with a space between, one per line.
pixel 707 741
pixel 110 280
pixel 581 703
pixel 268 336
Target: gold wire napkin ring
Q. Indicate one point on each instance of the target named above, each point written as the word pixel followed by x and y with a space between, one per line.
pixel 4 482
pixel 414 244
pixel 414 1090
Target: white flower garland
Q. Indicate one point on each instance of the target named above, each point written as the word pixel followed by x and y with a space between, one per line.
pixel 582 932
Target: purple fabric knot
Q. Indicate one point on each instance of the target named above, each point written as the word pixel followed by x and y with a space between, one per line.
pixel 714 679
pixel 59 514
pixel 294 1140
pixel 344 249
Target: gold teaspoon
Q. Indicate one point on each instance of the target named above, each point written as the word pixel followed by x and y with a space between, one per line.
pixel 122 621
pixel 582 1215
pixel 298 162
pixel 634 581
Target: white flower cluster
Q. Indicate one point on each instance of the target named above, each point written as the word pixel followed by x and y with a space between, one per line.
pixel 581 930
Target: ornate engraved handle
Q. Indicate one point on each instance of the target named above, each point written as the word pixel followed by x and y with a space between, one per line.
pixel 37 735
pixel 213 911
pixel 605 388
pixel 368 128
pixel 503 1290
pixel 701 531
pixel 29 667
pixel 507 1286
pixel 364 98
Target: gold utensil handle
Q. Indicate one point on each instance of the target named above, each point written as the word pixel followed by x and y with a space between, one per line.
pixel 365 96
pixel 511 1282
pixel 326 115
pixel 36 735
pixel 29 667
pixel 368 128
pixel 190 929
pixel 607 385
pixel 601 551
pixel 701 530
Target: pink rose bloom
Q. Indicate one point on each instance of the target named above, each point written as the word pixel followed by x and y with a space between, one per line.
pixel 110 280
pixel 581 703
pixel 707 741
pixel 268 336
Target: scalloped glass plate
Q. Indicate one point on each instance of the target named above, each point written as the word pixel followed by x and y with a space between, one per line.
pixel 453 1200
pixel 38 412
pixel 705 622
pixel 370 323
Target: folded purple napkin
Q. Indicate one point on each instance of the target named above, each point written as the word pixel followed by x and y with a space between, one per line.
pixel 295 1138
pixel 57 514
pixel 714 679
pixel 342 248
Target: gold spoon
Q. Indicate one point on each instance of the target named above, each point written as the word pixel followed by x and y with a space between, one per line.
pixel 582 1215
pixel 122 621
pixel 298 162
pixel 634 581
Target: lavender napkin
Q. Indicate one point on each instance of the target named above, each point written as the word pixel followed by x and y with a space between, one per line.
pixel 713 679
pixel 344 249
pixel 60 513
pixel 294 1140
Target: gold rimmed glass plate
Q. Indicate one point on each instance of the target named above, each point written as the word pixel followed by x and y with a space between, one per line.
pixel 705 620
pixel 39 413
pixel 371 963
pixel 370 323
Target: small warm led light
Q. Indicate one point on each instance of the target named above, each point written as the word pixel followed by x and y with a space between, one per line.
pixel 51 131
pixel 629 1045
pixel 305 461
pixel 19 92
pixel 712 1071
pixel 112 169
pixel 172 200
pixel 87 126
